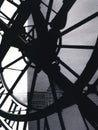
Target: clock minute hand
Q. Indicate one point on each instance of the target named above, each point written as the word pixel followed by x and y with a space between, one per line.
pixel 59 21
pixel 39 20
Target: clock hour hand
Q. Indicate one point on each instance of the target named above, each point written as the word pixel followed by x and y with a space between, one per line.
pixel 39 20
pixel 60 19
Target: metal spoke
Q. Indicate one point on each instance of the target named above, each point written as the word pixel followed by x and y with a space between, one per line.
pixel 47 7
pixel 49 10
pixel 13 62
pixel 84 119
pixel 88 72
pixel 68 68
pixel 14 69
pixel 3 17
pixel 6 17
pixel 28 33
pixel 79 24
pixel 55 99
pixel 31 30
pixel 76 46
pixel 38 124
pixel 46 124
pixel 30 96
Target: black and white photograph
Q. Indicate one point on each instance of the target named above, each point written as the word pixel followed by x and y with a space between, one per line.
pixel 48 64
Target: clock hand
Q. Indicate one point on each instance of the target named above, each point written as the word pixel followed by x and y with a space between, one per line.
pixel 39 20
pixel 87 107
pixel 60 19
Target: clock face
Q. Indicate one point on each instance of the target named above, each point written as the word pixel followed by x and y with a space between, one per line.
pixel 48 59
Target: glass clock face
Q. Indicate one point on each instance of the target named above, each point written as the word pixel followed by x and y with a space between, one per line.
pixel 48 64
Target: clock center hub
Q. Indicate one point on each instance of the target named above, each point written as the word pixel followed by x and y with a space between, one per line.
pixel 43 51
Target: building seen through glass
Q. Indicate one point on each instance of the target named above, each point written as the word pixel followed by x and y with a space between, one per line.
pixel 42 99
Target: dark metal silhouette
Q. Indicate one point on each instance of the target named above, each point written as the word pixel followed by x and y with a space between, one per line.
pixel 43 52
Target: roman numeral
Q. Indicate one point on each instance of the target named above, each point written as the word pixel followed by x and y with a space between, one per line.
pixel 14 109
pixel 2 92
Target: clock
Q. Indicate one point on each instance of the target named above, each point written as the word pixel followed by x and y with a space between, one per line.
pixel 48 63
